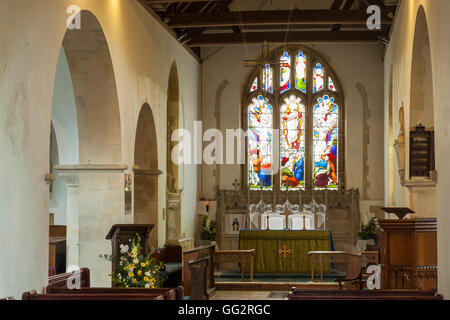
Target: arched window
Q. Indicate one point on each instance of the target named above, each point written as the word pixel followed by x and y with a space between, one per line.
pixel 296 116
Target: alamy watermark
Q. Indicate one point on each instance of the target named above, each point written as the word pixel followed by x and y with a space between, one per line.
pixel 73 22
pixel 374 20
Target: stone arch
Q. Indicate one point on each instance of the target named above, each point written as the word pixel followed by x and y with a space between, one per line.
pixel 95 91
pixel 86 121
pixel 146 173
pixel 422 198
pixel 421 102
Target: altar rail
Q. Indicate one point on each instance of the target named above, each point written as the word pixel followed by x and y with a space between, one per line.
pixel 343 212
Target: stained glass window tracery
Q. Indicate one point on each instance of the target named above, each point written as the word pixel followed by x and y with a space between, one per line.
pixel 300 72
pixel 318 76
pixel 254 86
pixel 285 72
pixel 268 78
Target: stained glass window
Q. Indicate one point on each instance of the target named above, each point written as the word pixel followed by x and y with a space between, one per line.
pixel 331 84
pixel 292 143
pixel 325 143
pixel 268 78
pixel 308 104
pixel 300 72
pixel 318 76
pixel 260 124
pixel 285 72
pixel 254 86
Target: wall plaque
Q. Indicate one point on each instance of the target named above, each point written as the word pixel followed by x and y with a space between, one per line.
pixel 421 152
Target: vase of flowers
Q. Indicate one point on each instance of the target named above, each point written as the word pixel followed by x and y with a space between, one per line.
pixel 208 231
pixel 133 269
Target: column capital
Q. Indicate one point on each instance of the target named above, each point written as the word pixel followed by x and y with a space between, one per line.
pixel 70 177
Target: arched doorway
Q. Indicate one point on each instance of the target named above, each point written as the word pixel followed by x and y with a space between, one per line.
pixel 146 173
pixel 86 122
pixel 422 188
pixel 173 221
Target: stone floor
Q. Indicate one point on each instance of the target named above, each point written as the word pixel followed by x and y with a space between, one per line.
pixel 244 295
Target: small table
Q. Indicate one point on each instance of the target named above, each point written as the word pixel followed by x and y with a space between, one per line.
pixel 331 256
pixel 240 256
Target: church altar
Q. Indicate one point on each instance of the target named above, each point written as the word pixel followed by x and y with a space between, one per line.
pixel 284 251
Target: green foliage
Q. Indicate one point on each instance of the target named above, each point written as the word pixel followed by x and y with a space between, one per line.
pixel 208 231
pixel 366 231
pixel 133 269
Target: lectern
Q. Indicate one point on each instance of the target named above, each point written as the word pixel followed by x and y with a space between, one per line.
pixel 122 233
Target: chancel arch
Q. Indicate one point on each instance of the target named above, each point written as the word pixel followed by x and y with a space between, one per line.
pixel 146 173
pixel 173 206
pixel 421 183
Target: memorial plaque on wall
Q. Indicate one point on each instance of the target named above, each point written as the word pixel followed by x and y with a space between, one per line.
pixel 421 152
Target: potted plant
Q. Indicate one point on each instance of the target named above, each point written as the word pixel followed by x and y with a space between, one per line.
pixel 367 231
pixel 208 231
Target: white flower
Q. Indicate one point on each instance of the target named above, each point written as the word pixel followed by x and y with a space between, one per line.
pixel 148 274
pixel 147 285
pixel 135 261
pixel 124 248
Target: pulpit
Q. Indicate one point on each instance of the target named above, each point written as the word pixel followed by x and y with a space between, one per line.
pixel 409 254
pixel 122 233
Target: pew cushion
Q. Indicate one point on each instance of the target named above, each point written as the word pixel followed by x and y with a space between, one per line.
pixel 173 267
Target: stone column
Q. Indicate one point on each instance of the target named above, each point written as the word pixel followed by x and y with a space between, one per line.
pixel 70 177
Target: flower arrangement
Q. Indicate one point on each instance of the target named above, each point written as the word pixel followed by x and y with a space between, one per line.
pixel 208 231
pixel 133 269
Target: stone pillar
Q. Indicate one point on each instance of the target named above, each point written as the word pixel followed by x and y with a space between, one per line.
pixel 97 203
pixel 173 217
pixel 70 177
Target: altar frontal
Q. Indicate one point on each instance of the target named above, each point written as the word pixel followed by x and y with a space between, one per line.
pixel 284 251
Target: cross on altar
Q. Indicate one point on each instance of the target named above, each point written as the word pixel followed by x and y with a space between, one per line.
pixel 235 184
pixel 286 214
pixel 284 251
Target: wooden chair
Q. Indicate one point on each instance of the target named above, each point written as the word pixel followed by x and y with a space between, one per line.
pixel 32 295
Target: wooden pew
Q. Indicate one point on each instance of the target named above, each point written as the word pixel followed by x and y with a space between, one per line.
pixel 362 295
pixel 8 298
pixel 167 293
pixel 172 258
pixel 112 296
pixel 60 280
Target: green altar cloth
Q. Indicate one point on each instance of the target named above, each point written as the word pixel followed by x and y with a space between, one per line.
pixel 284 251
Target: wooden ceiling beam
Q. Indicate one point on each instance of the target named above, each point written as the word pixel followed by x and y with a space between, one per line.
pixel 217 39
pixel 280 17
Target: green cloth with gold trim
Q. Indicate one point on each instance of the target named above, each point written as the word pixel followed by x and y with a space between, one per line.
pixel 284 251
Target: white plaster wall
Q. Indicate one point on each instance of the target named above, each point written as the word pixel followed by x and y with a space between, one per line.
pixel 142 52
pixel 399 57
pixel 354 64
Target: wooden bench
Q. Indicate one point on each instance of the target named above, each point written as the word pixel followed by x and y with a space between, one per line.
pixel 172 258
pixel 167 293
pixel 327 257
pixel 240 256
pixel 362 295
pixel 32 295
pixel 58 285
pixel 60 280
